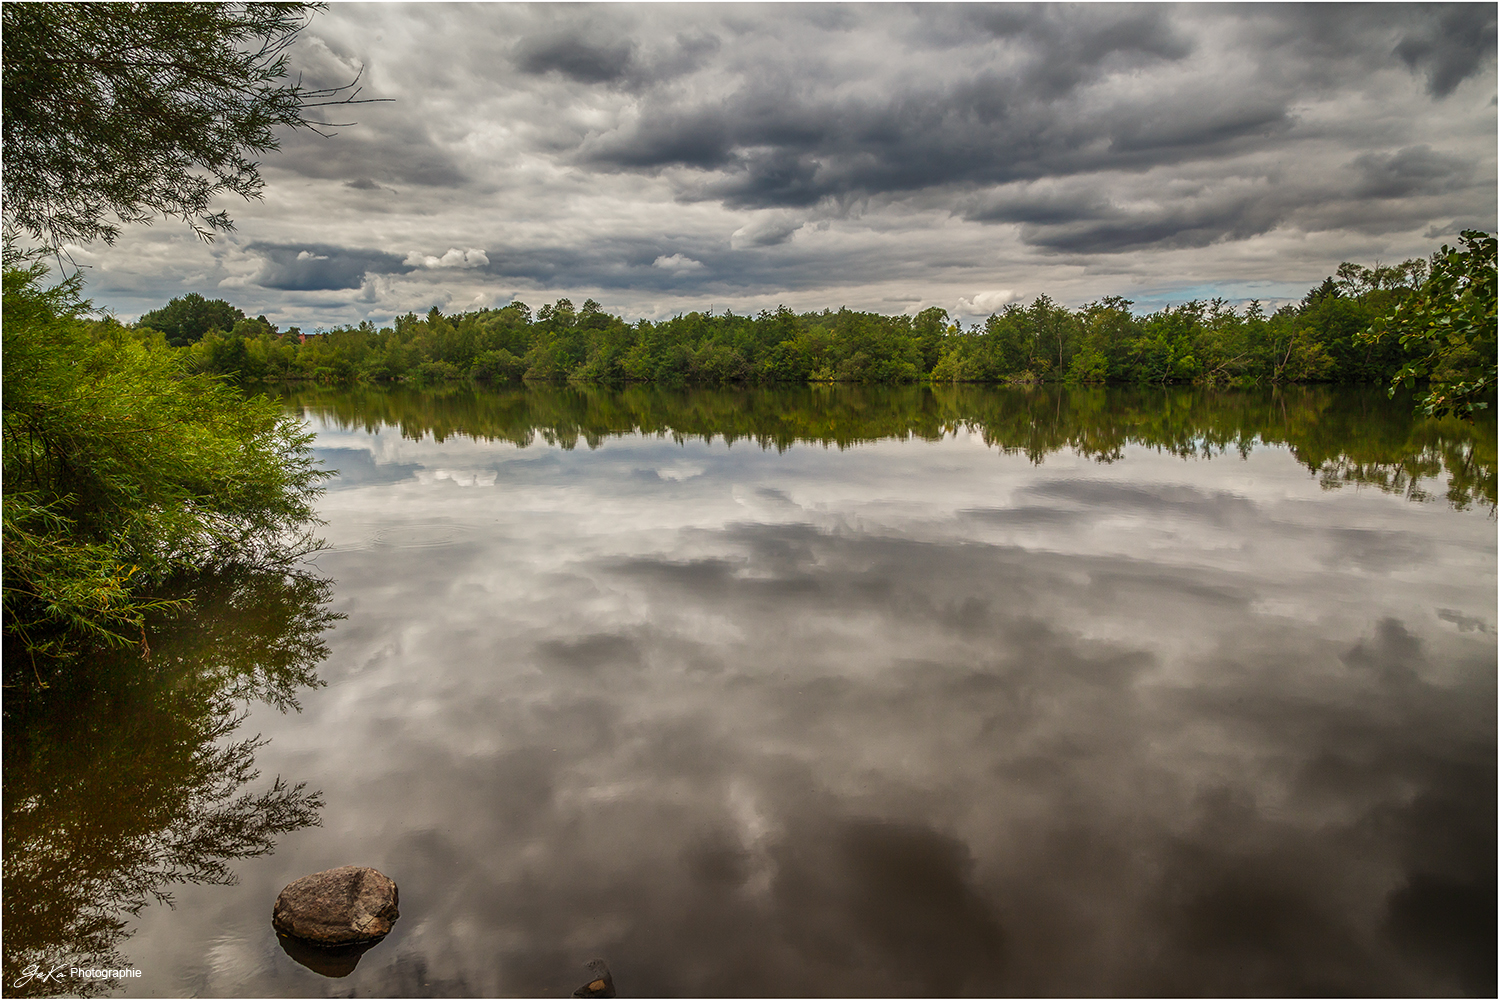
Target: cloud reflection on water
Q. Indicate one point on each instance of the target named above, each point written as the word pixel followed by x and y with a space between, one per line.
pixel 912 718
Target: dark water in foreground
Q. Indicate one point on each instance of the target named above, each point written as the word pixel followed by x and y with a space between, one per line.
pixel 815 692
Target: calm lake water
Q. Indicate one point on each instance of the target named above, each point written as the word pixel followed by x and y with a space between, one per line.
pixel 816 692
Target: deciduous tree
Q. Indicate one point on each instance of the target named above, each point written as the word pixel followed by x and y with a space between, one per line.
pixel 122 112
pixel 187 318
pixel 1447 327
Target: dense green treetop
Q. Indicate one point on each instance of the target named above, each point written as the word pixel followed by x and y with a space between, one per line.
pixel 1447 329
pixel 187 318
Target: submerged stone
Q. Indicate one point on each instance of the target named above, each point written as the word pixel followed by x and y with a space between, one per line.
pixel 346 906
pixel 601 986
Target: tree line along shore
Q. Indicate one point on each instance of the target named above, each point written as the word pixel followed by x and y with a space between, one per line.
pixel 1334 334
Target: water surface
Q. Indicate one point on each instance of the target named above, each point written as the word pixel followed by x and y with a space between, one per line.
pixel 866 692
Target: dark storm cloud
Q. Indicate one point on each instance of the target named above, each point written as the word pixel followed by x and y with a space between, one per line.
pixel 1452 46
pixel 382 147
pixel 766 233
pixel 1076 216
pixel 691 266
pixel 592 45
pixel 1178 226
pixel 1048 208
pixel 1185 127
pixel 783 141
pixel 308 267
pixel 1416 170
pixel 573 57
pixel 1073 49
pixel 773 148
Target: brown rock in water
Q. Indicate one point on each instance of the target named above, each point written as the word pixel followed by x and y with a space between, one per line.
pixel 602 986
pixel 345 906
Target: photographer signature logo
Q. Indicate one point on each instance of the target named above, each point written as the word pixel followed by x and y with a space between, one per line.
pixel 35 972
pixel 57 974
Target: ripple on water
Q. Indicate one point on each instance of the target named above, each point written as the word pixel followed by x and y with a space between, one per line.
pixel 433 535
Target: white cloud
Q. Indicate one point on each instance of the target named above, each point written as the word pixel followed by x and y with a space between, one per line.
pixel 987 302
pixel 375 288
pixel 677 262
pixel 454 258
pixel 462 477
pixel 680 471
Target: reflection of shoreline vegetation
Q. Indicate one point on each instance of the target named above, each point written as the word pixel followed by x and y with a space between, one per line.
pixel 125 778
pixel 1344 435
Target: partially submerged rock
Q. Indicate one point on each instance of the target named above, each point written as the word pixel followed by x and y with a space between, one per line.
pixel 350 905
pixel 601 986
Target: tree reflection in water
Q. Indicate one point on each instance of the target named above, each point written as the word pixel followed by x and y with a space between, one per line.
pixel 123 776
pixel 1341 434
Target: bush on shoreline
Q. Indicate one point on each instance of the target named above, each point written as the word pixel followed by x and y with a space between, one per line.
pixel 123 469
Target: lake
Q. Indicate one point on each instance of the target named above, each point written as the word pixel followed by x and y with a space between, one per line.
pixel 817 691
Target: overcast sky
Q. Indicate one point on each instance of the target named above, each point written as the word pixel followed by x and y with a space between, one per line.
pixel 665 158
